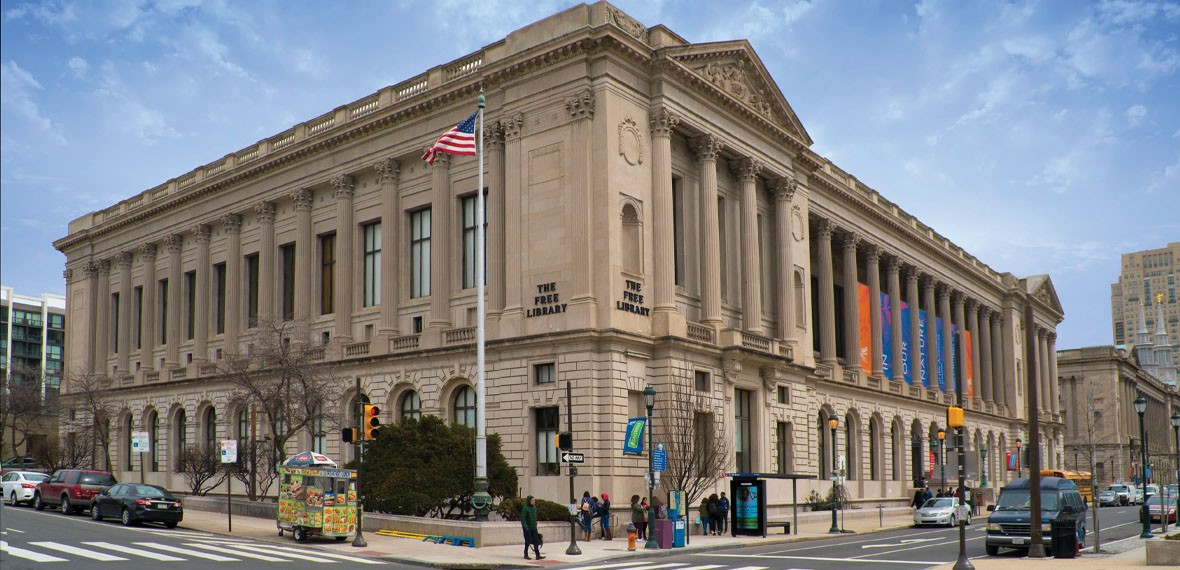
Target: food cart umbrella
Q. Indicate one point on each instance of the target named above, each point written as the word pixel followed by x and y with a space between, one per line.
pixel 308 459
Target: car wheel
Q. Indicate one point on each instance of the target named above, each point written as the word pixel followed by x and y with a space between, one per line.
pixel 954 521
pixel 94 515
pixel 12 498
pixel 299 533
pixel 991 549
pixel 171 524
pixel 38 503
pixel 126 518
pixel 66 507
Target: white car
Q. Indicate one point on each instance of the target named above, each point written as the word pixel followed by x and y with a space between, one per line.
pixel 941 511
pixel 18 486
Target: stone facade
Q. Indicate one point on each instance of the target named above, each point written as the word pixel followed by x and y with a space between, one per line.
pixel 655 216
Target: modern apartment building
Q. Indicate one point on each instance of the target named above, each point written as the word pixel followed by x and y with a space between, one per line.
pixel 32 351
pixel 1145 297
pixel 656 216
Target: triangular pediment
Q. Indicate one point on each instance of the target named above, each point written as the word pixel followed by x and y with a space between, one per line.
pixel 734 69
pixel 1041 288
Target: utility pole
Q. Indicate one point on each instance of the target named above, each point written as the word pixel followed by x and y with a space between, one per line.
pixel 955 421
pixel 1036 548
pixel 573 549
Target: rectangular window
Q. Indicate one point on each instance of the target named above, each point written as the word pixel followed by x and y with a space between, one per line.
pixel 162 295
pixel 703 442
pixel 723 242
pixel 327 272
pixel 252 290
pixel 469 228
pixel 780 440
pixel 372 266
pixel 545 373
pixel 137 314
pixel 114 323
pixel 784 395
pixel 420 253
pixel 416 325
pixel 59 321
pixel 743 444
pixel 190 294
pixel 219 297
pixel 678 229
pixel 547 421
pixel 288 256
pixel 702 380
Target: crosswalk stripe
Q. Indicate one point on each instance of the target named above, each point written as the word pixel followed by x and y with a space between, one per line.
pixel 100 556
pixel 28 554
pixel 602 566
pixel 179 533
pixel 706 567
pixel 655 566
pixel 297 556
pixel 216 548
pixel 187 552
pixel 287 551
pixel 751 568
pixel 135 551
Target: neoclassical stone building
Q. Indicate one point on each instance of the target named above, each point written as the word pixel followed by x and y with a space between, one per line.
pixel 656 215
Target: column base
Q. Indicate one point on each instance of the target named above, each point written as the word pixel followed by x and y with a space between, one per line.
pixel 511 322
pixel 667 321
pixel 583 309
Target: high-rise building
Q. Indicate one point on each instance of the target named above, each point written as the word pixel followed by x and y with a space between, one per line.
pixel 1145 298
pixel 32 352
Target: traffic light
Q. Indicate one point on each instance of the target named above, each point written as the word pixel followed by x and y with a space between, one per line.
pixel 370 423
pixel 564 440
pixel 349 435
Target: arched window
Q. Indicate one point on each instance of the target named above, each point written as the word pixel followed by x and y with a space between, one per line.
pixel 916 458
pixel 128 454
pixel 632 242
pixel 897 466
pixel 851 438
pixel 153 428
pixel 319 436
pixel 800 308
pixel 874 450
pixel 411 406
pixel 825 461
pixel 465 407
pixel 243 427
pixel 210 422
pixel 179 435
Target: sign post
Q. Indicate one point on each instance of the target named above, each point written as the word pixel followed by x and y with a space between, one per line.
pixel 229 456
pixel 140 442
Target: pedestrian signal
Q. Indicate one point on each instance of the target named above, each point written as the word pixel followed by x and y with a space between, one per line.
pixel 371 422
pixel 564 440
pixel 349 435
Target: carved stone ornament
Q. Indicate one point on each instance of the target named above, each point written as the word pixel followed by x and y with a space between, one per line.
pixel 707 147
pixel 798 231
pixel 232 223
pixel 823 229
pixel 265 212
pixel 147 252
pixel 872 254
pixel 783 188
pixel 731 370
pixel 201 233
pixel 67 274
pixel 630 142
pixel 513 126
pixel 746 169
pixel 387 170
pixel 302 199
pixel 730 77
pixel 662 122
pixel 626 23
pixel 849 242
pixel 581 106
pixel 124 258
pixel 343 186
pixel 493 136
pixel 173 243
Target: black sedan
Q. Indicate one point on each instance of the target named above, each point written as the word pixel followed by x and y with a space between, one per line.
pixel 133 503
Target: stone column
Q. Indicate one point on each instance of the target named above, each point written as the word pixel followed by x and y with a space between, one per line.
pixel 494 146
pixel 747 170
pixel 893 282
pixel 783 191
pixel 440 244
pixel 92 349
pixel 999 384
pixel 873 269
pixel 123 339
pixel 104 315
pixel 1051 358
pixel 512 317
pixel 1043 369
pixel 233 283
pixel 662 124
pixel 343 186
pixel 932 356
pixel 201 335
pixel 266 262
pixel 304 259
pixel 915 332
pixel 972 325
pixel 987 380
pixel 707 147
pixel 173 243
pixel 960 372
pixel 581 207
pixel 827 293
pixel 851 313
pixel 388 171
pixel 147 327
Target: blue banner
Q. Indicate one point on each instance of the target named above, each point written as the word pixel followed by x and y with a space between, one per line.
pixel 954 372
pixel 886 337
pixel 938 355
pixel 923 349
pixel 633 440
pixel 907 357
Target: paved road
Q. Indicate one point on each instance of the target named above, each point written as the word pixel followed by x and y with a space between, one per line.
pixel 31 540
pixel 914 548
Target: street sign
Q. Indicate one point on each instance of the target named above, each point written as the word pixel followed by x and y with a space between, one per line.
pixel 571 457
pixel 140 441
pixel 229 451
pixel 660 459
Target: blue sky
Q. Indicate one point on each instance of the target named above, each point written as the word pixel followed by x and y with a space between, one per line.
pixel 1043 137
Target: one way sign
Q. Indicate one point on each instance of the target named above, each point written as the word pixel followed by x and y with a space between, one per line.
pixel 571 457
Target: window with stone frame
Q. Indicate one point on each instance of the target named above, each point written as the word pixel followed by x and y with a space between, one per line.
pixel 547 422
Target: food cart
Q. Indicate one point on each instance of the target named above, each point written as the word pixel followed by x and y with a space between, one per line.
pixel 316 497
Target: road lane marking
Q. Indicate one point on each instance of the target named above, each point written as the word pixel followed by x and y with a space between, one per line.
pixel 955 541
pixel 287 551
pixel 216 548
pixel 602 566
pixel 843 543
pixel 187 552
pixel 297 556
pixel 752 568
pixel 705 567
pixel 100 556
pixel 826 559
pixel 28 554
pixel 135 551
pixel 18 531
pixel 904 542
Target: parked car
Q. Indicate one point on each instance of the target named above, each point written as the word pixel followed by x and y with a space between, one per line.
pixel 1137 497
pixel 133 503
pixel 18 486
pixel 72 490
pixel 1109 497
pixel 1009 525
pixel 22 463
pixel 1158 510
pixel 1124 492
pixel 1150 490
pixel 941 510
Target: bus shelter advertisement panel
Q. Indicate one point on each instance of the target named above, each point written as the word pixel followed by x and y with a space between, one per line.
pixel 749 504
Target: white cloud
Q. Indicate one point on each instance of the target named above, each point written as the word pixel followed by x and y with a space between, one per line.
pixel 1136 114
pixel 794 12
pixel 18 91
pixel 1166 181
pixel 78 67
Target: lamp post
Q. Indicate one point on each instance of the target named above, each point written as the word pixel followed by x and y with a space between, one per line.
pixel 1141 408
pixel 1176 432
pixel 983 466
pixel 649 401
pixel 942 457
pixel 1018 442
pixel 833 421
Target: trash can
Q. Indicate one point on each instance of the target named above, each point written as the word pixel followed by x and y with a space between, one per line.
pixel 664 533
pixel 679 532
pixel 1064 534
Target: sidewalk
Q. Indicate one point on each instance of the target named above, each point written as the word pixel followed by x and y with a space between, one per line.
pixel 512 556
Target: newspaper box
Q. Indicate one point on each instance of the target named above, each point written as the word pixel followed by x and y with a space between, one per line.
pixel 316 497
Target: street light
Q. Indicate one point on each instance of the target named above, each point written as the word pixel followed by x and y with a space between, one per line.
pixel 833 421
pixel 649 401
pixel 1176 432
pixel 1018 442
pixel 983 468
pixel 1141 408
pixel 942 457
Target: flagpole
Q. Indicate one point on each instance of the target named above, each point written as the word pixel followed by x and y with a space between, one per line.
pixel 480 500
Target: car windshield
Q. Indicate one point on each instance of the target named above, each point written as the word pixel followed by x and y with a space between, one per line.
pixel 939 504
pixel 1018 500
pixel 97 479
pixel 1119 488
pixel 1153 501
pixel 36 477
pixel 149 492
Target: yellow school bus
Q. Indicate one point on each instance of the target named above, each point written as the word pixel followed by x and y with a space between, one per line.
pixel 1080 478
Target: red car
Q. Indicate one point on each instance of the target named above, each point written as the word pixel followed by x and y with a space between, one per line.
pixel 71 490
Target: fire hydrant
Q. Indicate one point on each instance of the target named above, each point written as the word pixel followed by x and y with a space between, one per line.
pixel 631 534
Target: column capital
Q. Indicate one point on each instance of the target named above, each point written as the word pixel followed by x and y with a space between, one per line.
pixel 912 274
pixel 893 264
pixel 265 212
pixel 441 160
pixel 147 252
pixel 173 243
pixel 1041 332
pixel 201 233
pixel 302 198
pixel 67 275
pixel 970 303
pixel 783 188
pixel 872 253
pixel 493 136
pixel 997 317
pixel 663 121
pixel 124 258
pixel 581 105
pixel 943 291
pixel 824 228
pixel 388 170
pixel 512 126
pixel 707 146
pixel 1051 336
pixel 343 186
pixel 849 241
pixel 232 223
pixel 91 269
pixel 746 168
pixel 957 298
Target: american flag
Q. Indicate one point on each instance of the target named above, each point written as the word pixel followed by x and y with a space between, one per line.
pixel 459 140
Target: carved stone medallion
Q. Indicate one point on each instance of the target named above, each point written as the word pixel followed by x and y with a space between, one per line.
pixel 630 142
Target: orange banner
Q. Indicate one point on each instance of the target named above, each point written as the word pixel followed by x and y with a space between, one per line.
pixel 968 364
pixel 866 327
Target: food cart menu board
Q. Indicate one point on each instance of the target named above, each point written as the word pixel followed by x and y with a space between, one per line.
pixel 311 497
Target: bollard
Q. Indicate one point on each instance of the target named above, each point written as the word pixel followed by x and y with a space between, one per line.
pixel 880 515
pixel 631 535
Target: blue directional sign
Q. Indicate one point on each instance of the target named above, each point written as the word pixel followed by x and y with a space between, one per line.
pixel 660 458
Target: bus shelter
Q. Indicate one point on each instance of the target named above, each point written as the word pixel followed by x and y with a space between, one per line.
pixel 748 513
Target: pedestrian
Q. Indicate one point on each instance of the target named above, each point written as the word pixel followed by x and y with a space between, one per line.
pixel 703 516
pixel 604 515
pixel 927 494
pixel 714 515
pixel 586 510
pixel 638 517
pixel 528 523
pixel 919 499
pixel 940 495
pixel 659 508
pixel 724 513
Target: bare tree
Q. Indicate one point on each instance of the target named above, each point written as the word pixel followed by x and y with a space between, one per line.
pixel 255 468
pixel 74 452
pixel 201 467
pixel 86 395
pixel 288 378
pixel 1093 415
pixel 697 447
pixel 22 409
